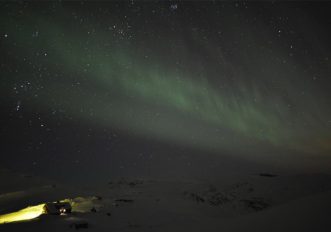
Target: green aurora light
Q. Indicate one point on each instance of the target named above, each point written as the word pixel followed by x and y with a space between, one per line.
pixel 119 89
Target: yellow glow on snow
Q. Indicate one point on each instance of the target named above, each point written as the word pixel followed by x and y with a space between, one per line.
pixel 28 213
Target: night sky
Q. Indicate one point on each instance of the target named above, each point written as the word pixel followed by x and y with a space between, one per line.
pixel 144 88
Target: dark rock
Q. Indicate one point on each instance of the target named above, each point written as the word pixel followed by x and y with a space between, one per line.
pixel 98 198
pixel 218 199
pixel 132 184
pixel 267 175
pixel 197 197
pixel 256 204
pixel 124 200
pixel 79 225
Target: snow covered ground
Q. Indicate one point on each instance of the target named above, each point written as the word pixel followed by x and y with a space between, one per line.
pixel 255 202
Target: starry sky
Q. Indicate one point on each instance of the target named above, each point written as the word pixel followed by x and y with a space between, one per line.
pixel 147 86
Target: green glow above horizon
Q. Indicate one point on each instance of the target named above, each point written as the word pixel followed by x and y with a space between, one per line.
pixel 120 89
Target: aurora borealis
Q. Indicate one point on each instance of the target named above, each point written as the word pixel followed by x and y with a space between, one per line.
pixel 238 77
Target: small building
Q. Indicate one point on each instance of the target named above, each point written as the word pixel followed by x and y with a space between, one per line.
pixel 57 208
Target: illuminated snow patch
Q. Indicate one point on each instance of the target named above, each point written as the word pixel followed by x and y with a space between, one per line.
pixel 28 213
